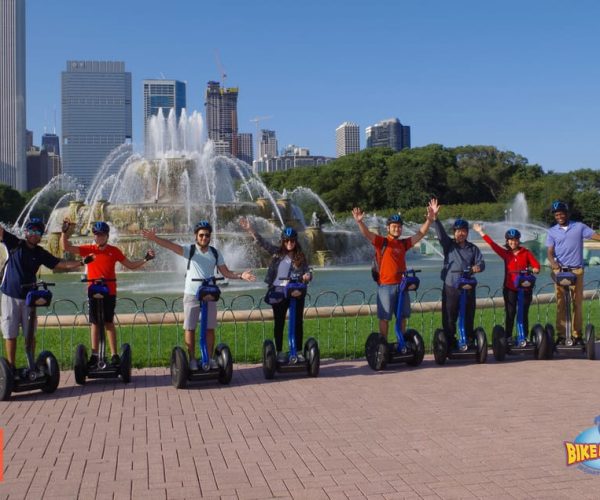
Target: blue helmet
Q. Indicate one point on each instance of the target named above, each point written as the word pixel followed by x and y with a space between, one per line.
pixel 395 219
pixel 35 224
pixel 203 224
pixel 100 227
pixel 512 234
pixel 289 233
pixel 460 224
pixel 559 206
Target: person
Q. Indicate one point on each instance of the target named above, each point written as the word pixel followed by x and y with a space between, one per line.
pixel 202 260
pixel 287 259
pixel 459 254
pixel 390 253
pixel 102 259
pixel 25 257
pixel 564 243
pixel 516 258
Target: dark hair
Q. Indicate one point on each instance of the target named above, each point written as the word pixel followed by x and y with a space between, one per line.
pixel 298 257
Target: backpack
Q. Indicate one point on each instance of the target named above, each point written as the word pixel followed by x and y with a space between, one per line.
pixel 193 251
pixel 375 263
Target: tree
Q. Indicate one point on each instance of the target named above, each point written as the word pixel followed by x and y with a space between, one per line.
pixel 11 204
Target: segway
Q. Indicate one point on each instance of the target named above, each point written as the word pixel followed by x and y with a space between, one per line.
pixel 42 373
pixel 477 348
pixel 537 345
pixel 97 292
pixel 294 289
pixel 568 345
pixel 409 347
pixel 181 373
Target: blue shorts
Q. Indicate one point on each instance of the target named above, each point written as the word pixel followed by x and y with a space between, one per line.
pixel 387 302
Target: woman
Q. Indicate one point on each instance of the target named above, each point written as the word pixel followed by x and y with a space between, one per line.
pixel 287 259
pixel 516 258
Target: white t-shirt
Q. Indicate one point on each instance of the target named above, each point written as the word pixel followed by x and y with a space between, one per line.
pixel 283 270
pixel 202 266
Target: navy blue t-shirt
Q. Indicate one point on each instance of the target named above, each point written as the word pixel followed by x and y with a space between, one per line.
pixel 23 264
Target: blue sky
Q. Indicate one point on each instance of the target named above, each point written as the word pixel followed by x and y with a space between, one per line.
pixel 520 75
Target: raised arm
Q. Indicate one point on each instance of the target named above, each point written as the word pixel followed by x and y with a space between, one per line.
pixel 150 235
pixel 136 264
pixel 358 215
pixel 440 232
pixel 64 238
pixel 247 226
pixel 501 251
pixel 431 215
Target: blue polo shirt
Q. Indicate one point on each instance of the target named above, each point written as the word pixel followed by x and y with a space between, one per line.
pixel 23 264
pixel 568 243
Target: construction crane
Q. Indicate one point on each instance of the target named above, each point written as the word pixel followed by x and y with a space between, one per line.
pixel 220 68
pixel 257 120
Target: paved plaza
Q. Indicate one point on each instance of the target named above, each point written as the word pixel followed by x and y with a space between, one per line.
pixel 458 431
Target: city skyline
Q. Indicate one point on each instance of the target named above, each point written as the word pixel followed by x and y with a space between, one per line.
pixel 514 76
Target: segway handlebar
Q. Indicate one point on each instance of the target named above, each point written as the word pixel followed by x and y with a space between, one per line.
pixel 99 281
pixel 38 284
pixel 212 279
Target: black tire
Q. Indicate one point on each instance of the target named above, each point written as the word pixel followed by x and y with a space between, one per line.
pixel 550 340
pixel 482 347
pixel 313 357
pixel 376 351
pixel 81 360
pixel 590 342
pixel 440 346
pixel 540 341
pixel 179 368
pixel 125 366
pixel 414 339
pixel 7 380
pixel 49 365
pixel 223 355
pixel 269 359
pixel 499 345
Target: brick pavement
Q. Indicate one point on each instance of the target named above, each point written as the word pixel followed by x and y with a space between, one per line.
pixel 457 431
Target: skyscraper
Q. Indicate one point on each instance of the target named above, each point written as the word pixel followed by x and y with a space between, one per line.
pixel 96 115
pixel 51 143
pixel 13 166
pixel 245 149
pixel 389 133
pixel 165 94
pixel 268 144
pixel 221 115
pixel 347 139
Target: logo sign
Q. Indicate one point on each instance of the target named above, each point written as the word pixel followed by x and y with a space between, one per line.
pixel 584 450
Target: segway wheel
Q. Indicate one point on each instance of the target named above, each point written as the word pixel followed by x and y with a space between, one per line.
pixel 482 347
pixel 49 365
pixel 415 341
pixel 179 368
pixel 7 380
pixel 223 355
pixel 440 346
pixel 540 341
pixel 590 342
pixel 376 351
pixel 499 343
pixel 80 368
pixel 550 340
pixel 125 366
pixel 269 359
pixel 313 357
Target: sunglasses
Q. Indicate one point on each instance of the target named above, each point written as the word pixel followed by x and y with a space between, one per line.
pixel 203 235
pixel 289 240
pixel 34 232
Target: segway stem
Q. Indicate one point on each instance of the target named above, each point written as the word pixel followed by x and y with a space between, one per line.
pixel 292 328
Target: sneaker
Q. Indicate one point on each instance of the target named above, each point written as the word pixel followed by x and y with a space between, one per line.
pixel 194 364
pixel 213 364
pixel 301 358
pixel 282 357
pixel 115 360
pixel 93 361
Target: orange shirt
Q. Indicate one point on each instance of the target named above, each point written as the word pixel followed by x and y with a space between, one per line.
pixel 394 258
pixel 103 265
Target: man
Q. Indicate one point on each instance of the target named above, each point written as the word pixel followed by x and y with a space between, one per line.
pixel 25 257
pixel 564 244
pixel 459 254
pixel 391 258
pixel 102 259
pixel 202 260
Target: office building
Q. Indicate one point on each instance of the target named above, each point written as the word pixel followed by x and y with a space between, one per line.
pixel 293 150
pixel 245 148
pixel 268 144
pixel 165 95
pixel 282 163
pixel 221 115
pixel 13 166
pixel 96 116
pixel 51 143
pixel 390 134
pixel 347 139
pixel 40 167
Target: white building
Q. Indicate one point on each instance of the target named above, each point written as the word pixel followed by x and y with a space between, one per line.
pixel 347 139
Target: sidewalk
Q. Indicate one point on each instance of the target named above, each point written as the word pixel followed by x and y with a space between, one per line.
pixel 458 431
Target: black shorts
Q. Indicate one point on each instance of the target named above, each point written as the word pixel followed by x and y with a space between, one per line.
pixel 109 310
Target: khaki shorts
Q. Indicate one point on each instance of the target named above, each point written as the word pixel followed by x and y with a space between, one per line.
pixel 191 313
pixel 14 314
